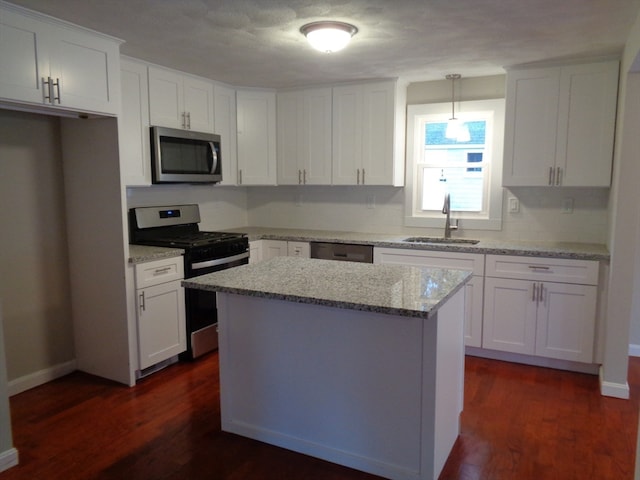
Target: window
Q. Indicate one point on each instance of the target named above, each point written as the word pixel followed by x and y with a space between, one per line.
pixel 469 171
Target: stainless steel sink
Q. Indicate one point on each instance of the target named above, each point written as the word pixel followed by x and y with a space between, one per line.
pixel 441 240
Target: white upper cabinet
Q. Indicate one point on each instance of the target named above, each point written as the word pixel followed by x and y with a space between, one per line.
pixel 560 125
pixel 368 134
pixel 133 124
pixel 178 100
pixel 256 110
pixel 46 62
pixel 226 126
pixel 304 137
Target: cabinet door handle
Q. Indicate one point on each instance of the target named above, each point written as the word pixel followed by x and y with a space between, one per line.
pixel 240 177
pixel 534 291
pixel 189 120
pixel 559 176
pixel 358 178
pixel 142 307
pixel 184 120
pixel 550 175
pixel 46 92
pixel 299 177
pixel 541 293
pixel 304 176
pixel 58 97
pixel 363 176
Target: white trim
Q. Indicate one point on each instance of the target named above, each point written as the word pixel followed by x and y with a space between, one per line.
pixel 41 377
pixel 634 350
pixel 490 220
pixel 610 389
pixel 8 459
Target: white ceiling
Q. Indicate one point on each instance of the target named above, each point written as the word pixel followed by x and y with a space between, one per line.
pixel 257 42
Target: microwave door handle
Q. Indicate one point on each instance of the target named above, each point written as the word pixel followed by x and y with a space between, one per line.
pixel 214 157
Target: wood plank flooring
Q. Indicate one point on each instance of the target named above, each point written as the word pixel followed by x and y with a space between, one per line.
pixel 519 422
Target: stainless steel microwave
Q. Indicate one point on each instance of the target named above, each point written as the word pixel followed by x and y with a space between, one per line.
pixel 184 156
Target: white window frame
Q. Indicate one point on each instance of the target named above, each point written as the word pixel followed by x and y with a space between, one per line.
pixel 491 218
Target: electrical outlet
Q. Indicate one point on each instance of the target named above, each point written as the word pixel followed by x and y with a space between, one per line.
pixel 371 201
pixel 514 205
pixel 567 205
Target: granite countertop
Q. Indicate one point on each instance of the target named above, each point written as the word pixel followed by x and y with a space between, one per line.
pixel 388 289
pixel 580 251
pixel 145 253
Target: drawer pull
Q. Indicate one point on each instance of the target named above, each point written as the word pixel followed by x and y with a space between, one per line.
pixel 534 290
pixel 161 271
pixel 539 267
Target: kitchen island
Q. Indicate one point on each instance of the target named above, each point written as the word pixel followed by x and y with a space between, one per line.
pixel 357 364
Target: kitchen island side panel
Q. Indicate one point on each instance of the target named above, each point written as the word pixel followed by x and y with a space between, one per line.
pixel 343 385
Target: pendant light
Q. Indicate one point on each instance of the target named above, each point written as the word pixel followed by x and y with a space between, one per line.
pixel 456 129
pixel 328 36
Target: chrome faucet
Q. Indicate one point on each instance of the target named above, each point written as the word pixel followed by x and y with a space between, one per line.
pixel 446 209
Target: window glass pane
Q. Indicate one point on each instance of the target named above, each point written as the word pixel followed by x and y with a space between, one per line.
pixel 445 168
pixel 466 190
pixel 435 133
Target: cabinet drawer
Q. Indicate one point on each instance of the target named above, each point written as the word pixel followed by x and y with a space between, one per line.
pixel 543 269
pixel 159 271
pixel 427 258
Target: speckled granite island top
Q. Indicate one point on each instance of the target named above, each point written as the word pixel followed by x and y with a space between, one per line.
pixel 389 289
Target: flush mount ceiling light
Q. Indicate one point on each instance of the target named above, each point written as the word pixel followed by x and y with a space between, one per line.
pixel 328 36
pixel 456 129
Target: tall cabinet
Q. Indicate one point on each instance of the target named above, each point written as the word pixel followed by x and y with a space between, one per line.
pixel 560 125
pixel 368 134
pixel 256 116
pixel 304 137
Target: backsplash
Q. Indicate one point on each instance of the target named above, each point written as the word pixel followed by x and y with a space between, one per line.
pixel 381 210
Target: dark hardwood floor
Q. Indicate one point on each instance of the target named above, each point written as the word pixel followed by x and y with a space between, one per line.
pixel 519 422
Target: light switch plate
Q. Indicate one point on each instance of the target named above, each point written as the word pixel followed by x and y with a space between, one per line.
pixel 514 205
pixel 567 205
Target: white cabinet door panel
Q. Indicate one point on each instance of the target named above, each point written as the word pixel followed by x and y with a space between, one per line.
pixel 161 323
pixel 509 316
pixel 566 322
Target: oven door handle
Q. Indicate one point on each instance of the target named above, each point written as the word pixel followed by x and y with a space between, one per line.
pixel 219 261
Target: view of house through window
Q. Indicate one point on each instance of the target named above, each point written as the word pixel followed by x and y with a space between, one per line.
pixel 468 170
pixel 455 168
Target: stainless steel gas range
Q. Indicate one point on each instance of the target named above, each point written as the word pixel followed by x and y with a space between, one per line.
pixel 205 252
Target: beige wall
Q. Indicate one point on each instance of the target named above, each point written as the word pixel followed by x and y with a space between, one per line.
pixel 34 277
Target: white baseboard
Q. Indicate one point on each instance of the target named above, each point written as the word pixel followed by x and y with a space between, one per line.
pixel 634 350
pixel 8 459
pixel 41 377
pixel 610 389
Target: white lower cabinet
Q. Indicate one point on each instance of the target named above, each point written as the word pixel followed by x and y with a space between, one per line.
pixel 260 250
pixel 463 261
pixel 299 249
pixel 541 306
pixel 160 310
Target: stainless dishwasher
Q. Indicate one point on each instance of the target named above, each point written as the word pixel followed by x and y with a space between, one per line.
pixel 346 252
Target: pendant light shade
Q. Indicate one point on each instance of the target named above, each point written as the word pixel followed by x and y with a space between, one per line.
pixel 456 129
pixel 328 36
